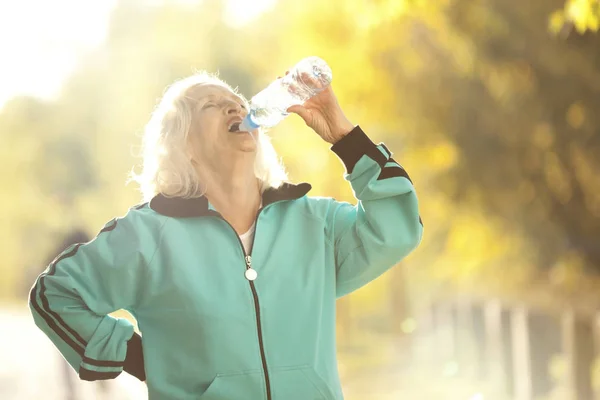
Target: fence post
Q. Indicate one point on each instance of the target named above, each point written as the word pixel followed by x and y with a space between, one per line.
pixel 498 362
pixel 425 342
pixel 464 335
pixel 479 339
pixel 596 333
pixel 536 340
pixel 578 344
pixel 400 306
pixel 470 337
pixel 521 354
pixel 445 332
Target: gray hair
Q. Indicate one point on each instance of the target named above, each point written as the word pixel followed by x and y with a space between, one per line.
pixel 166 167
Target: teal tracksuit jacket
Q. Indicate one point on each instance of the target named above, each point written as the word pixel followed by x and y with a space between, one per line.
pixel 208 332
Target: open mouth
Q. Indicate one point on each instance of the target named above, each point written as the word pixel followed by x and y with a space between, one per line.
pixel 235 127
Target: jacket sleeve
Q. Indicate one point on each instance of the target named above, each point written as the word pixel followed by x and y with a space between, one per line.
pixel 384 226
pixel 70 302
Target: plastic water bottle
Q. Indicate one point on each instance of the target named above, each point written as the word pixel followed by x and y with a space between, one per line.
pixel 306 79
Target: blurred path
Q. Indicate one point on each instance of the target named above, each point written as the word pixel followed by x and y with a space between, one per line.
pixel 30 366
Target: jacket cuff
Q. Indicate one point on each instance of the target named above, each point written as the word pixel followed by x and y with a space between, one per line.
pixel 134 360
pixel 353 146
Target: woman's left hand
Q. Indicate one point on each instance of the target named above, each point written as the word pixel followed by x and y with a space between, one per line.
pixel 324 115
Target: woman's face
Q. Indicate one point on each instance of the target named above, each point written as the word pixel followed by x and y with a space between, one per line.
pixel 213 136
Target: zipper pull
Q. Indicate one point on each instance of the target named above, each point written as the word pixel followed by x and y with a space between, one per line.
pixel 250 273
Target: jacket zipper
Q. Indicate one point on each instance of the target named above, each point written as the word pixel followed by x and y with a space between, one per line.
pixel 248 263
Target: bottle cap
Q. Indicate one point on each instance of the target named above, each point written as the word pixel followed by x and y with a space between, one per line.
pixel 248 124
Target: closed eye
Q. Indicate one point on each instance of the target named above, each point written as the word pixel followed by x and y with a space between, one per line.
pixel 208 105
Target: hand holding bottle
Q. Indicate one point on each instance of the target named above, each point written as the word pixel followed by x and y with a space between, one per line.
pixel 324 115
pixel 305 91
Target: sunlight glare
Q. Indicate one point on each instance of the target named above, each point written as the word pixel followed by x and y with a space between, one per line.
pixel 41 42
pixel 242 12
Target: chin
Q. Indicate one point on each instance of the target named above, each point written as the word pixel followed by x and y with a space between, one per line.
pixel 248 145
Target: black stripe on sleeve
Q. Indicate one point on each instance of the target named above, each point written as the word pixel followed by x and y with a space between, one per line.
pixel 102 363
pixel 389 153
pixel 44 299
pixel 112 224
pixel 392 172
pixel 47 314
pixel 139 207
pixel 87 375
pixel 52 324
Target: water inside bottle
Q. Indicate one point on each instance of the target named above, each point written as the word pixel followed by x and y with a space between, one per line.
pixel 307 79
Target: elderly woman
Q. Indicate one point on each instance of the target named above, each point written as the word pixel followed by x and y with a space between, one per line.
pixel 231 272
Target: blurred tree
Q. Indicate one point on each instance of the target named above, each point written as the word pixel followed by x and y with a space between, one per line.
pixel 584 15
pixel 63 168
pixel 492 115
pixel 497 114
pixel 525 128
pixel 24 127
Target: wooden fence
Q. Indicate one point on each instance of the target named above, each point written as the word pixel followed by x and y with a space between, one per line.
pixel 514 348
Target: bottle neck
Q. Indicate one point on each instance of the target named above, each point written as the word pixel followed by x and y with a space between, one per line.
pixel 248 123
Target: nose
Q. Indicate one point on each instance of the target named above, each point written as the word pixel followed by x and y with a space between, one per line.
pixel 233 108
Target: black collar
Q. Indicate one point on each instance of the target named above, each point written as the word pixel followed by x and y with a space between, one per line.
pixel 197 207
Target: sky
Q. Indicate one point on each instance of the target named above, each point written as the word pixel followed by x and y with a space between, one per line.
pixel 41 41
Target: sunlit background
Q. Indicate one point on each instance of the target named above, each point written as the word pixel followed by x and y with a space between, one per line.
pixel 491 106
